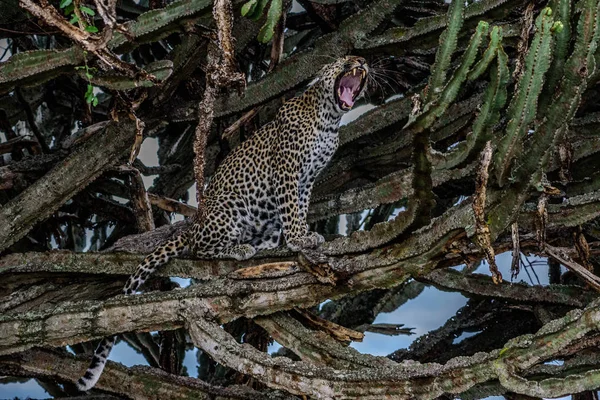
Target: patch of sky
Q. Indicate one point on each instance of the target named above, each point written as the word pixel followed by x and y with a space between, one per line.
pixel 273 347
pixel 343 225
pixel 182 282
pixel 119 199
pixel 394 97
pixel 125 354
pixel 28 389
pixel 453 145
pixel 296 8
pixel 459 267
pixel 192 196
pixel 461 198
pixel 395 213
pixel 463 336
pixel 534 273
pixel 190 362
pixel 323 303
pixel 5 51
pixel 355 113
pixel 430 310
pixel 149 157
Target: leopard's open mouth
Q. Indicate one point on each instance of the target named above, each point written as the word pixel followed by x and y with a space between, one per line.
pixel 348 87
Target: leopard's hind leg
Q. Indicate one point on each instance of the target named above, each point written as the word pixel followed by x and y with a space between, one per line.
pixel 222 232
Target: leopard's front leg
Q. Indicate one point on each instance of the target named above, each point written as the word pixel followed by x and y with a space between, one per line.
pixel 295 229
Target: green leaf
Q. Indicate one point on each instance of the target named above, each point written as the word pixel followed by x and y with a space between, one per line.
pixel 69 9
pixel 74 19
pixel 91 28
pixel 249 7
pixel 65 3
pixel 89 93
pixel 268 29
pixel 87 10
pixel 88 75
pixel 95 101
pixel 258 11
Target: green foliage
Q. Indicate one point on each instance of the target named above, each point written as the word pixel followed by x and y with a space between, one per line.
pixel 255 9
pixel 448 41
pixel 79 16
pixel 90 96
pixel 523 107
pixel 448 91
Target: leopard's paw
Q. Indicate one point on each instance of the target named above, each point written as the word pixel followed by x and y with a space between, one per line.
pixel 239 252
pixel 312 240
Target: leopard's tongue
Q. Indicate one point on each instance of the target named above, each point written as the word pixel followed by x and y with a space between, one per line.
pixel 346 96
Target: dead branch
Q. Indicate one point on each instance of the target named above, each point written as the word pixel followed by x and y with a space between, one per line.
pixel 482 230
pixel 140 201
pixel 95 44
pixel 587 276
pixel 315 345
pixel 338 332
pixel 172 205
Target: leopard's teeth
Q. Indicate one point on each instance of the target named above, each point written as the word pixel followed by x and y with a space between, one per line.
pixel 364 73
pixel 354 72
pixel 339 93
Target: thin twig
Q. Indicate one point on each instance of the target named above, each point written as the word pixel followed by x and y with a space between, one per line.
pixel 172 205
pixel 231 129
pixel 559 255
pixel 516 251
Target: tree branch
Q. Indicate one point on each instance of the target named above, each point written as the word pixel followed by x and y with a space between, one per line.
pixel 47 194
pixel 136 383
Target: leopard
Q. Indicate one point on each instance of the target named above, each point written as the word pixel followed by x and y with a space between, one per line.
pixel 259 195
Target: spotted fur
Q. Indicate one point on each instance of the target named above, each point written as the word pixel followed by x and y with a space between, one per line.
pixel 261 190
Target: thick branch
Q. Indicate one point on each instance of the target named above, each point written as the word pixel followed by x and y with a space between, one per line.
pixel 67 178
pixel 136 383
pixel 414 380
pixel 481 285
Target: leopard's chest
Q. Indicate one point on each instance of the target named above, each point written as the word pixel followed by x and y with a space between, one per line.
pixel 318 153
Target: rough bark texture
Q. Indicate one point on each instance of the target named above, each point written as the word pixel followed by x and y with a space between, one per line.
pixel 491 147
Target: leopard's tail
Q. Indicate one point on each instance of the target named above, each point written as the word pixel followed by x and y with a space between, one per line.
pixel 160 256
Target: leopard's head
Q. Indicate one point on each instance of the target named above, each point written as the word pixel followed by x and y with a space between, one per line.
pixel 344 80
